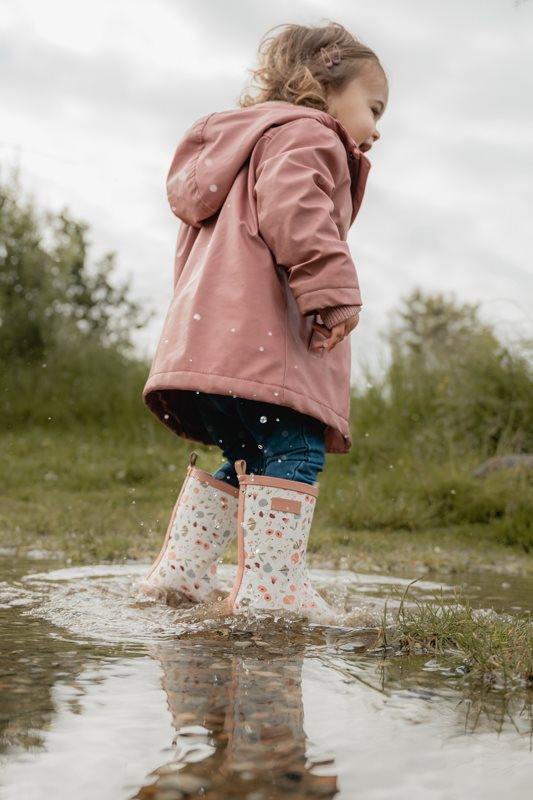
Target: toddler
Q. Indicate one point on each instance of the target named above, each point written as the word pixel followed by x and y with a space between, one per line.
pixel 254 354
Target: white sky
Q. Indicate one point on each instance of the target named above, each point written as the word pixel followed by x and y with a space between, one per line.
pixel 95 96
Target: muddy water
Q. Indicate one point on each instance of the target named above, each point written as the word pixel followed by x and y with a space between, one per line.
pixel 106 695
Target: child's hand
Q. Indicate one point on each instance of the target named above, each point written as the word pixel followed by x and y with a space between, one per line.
pixel 336 334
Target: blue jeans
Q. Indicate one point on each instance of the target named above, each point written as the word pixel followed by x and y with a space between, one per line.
pixel 273 440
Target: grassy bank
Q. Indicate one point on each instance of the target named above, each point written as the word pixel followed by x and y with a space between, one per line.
pixel 88 470
pixel 494 650
pixel 102 494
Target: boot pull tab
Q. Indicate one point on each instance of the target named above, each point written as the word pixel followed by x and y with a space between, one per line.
pixel 192 458
pixel 240 467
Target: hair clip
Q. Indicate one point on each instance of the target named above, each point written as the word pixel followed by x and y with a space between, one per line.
pixel 331 59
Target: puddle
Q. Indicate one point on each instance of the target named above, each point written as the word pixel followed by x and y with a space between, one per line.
pixel 106 695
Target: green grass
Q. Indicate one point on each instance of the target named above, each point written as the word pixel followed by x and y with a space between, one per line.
pixel 406 492
pixel 96 494
pixel 495 649
pixel 88 470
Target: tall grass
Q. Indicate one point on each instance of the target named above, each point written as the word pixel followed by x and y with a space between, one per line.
pixel 76 386
pixel 445 404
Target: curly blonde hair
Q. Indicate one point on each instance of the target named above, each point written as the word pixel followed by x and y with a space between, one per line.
pixel 291 67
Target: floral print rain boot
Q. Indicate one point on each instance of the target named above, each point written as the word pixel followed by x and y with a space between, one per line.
pixel 202 525
pixel 274 520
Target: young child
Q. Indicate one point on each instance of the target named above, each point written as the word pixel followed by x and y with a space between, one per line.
pixel 254 355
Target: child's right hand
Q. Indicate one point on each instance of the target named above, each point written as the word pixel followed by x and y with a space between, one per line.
pixel 336 334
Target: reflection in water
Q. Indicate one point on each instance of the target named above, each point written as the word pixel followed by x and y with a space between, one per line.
pixel 470 707
pixel 84 668
pixel 239 723
pixel 27 675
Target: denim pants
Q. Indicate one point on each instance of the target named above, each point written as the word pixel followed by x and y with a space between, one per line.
pixel 274 440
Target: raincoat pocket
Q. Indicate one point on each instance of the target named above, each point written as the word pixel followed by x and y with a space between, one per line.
pixel 314 338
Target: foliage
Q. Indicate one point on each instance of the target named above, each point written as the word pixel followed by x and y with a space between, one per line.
pixel 49 293
pixel 451 384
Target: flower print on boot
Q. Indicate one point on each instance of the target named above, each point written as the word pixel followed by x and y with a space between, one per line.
pixel 274 521
pixel 202 525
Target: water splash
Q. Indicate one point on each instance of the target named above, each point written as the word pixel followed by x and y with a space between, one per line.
pixel 104 602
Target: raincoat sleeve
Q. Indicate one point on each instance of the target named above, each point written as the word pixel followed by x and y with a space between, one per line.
pixel 301 165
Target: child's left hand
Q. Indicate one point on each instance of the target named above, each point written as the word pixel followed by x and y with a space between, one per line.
pixel 336 334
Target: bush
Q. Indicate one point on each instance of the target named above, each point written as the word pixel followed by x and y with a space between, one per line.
pixel 65 327
pixel 451 387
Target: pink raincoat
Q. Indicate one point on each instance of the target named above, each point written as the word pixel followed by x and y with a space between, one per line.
pixel 266 195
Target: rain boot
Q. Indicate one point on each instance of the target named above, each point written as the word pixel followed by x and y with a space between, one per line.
pixel 274 520
pixel 202 525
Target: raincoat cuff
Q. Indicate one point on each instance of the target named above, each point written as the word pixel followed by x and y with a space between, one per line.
pixel 334 314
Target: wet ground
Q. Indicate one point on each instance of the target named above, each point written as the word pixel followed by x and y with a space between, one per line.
pixel 105 695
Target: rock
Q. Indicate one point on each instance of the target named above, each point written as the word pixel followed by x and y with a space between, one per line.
pixel 522 461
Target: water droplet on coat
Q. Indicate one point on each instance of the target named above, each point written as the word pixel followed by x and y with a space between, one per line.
pixel 213 187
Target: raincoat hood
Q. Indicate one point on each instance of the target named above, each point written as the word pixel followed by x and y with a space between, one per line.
pixel 197 187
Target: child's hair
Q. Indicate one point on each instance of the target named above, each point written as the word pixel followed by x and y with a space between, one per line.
pixel 291 66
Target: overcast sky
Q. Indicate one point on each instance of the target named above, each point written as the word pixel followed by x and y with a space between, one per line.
pixel 95 96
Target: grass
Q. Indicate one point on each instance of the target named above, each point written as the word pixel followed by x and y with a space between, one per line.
pixel 495 649
pixel 97 494
pixel 485 656
pixel 90 472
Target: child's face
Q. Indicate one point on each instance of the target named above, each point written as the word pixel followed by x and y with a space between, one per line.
pixel 360 105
